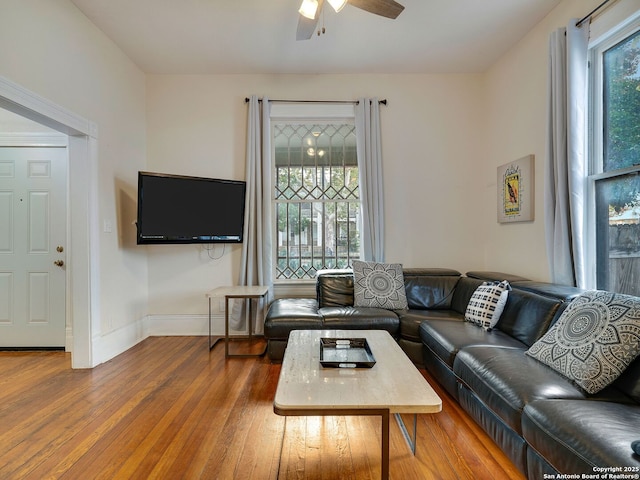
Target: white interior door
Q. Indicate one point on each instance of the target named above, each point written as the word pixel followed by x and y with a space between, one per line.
pixel 33 227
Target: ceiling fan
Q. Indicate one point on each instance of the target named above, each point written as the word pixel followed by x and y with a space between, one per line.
pixel 310 12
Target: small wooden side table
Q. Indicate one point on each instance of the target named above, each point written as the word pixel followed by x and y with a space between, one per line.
pixel 243 292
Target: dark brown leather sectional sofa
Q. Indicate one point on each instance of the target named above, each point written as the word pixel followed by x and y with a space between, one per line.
pixel 544 422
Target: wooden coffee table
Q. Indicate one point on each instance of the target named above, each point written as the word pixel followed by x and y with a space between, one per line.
pixel 392 386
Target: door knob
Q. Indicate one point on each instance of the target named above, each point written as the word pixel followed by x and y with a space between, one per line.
pixel 59 263
pixel 59 249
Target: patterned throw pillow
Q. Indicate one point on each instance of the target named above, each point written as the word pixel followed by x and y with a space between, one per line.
pixel 487 303
pixel 594 340
pixel 379 285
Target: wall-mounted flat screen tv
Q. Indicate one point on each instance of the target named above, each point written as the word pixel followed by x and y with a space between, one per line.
pixel 181 209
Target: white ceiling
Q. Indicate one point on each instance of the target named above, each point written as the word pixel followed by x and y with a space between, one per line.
pixel 258 36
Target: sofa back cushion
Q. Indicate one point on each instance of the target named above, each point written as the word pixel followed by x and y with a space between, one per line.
pixel 561 292
pixel 334 288
pixel 430 288
pixel 527 316
pixel 426 288
pixel 465 288
pixel 629 382
pixel 496 276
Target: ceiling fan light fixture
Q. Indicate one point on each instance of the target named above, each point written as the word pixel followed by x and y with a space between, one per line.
pixel 337 4
pixel 309 8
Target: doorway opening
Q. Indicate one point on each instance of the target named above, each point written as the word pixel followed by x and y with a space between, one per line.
pixel 82 261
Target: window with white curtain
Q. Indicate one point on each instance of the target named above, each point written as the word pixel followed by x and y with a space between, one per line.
pixel 615 160
pixel 316 195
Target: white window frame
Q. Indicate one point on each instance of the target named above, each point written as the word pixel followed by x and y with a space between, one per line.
pixel 607 31
pixel 306 112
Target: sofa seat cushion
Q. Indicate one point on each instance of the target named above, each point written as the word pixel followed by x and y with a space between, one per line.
pixel 445 338
pixel 359 318
pixel 574 436
pixel 410 321
pixel 286 314
pixel 505 380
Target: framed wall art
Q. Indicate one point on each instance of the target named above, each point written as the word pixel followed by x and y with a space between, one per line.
pixel 515 191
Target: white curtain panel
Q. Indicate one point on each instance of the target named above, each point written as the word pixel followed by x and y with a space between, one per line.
pixel 566 163
pixel 255 267
pixel 369 150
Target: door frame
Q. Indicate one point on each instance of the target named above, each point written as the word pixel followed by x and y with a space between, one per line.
pixel 82 229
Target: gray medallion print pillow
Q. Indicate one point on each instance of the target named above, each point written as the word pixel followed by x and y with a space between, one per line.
pixel 379 285
pixel 594 340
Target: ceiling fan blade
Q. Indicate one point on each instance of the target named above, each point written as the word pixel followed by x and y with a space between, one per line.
pixel 384 8
pixel 307 26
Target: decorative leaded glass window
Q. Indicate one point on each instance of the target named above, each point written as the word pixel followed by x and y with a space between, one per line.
pixel 317 199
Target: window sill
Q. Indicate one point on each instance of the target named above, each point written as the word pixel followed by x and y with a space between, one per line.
pixel 299 289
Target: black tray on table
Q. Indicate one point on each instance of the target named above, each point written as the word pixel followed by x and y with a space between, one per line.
pixel 346 353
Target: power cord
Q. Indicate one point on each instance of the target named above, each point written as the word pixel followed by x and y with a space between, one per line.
pixel 209 247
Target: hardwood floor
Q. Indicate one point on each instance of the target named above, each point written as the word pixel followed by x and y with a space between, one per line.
pixel 169 409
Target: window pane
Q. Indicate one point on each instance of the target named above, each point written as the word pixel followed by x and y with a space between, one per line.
pixel 315 235
pixel 621 103
pixel 317 198
pixel 618 234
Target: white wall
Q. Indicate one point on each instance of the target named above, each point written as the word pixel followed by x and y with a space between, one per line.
pixel 432 138
pixel 51 49
pixel 516 115
pixel 443 138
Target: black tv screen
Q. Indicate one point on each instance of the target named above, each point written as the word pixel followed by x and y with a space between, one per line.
pixel 181 209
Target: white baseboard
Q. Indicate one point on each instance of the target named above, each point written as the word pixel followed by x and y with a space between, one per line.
pixel 108 345
pixel 180 325
pixel 111 344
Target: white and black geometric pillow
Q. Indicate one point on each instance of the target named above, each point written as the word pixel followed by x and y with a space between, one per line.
pixel 487 303
pixel 379 285
pixel 594 340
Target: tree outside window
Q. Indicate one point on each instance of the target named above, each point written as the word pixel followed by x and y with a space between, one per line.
pixel 618 187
